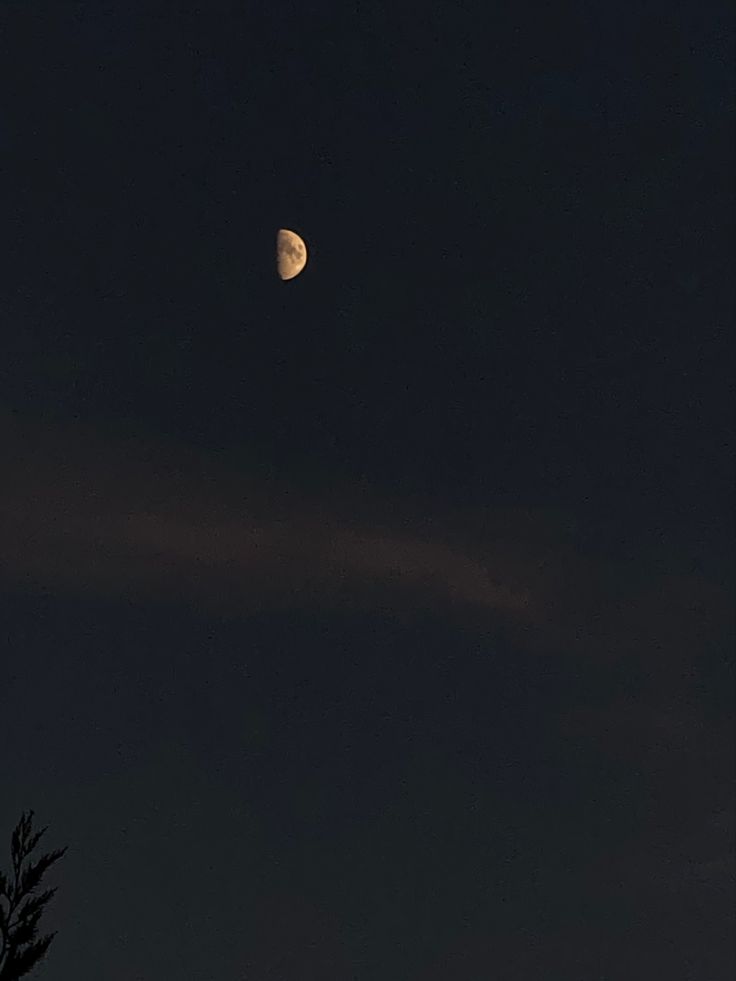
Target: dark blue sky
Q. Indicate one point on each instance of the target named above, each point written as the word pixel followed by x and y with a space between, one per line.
pixel 375 624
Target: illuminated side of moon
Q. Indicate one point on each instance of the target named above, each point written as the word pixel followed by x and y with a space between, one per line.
pixel 291 254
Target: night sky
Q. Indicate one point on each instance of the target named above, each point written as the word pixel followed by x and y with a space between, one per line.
pixel 375 625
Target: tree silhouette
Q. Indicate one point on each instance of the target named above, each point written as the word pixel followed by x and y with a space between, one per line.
pixel 21 905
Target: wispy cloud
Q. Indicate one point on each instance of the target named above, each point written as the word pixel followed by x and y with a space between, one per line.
pixel 84 512
pixel 89 515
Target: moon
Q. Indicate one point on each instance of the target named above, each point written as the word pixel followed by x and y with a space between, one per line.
pixel 291 254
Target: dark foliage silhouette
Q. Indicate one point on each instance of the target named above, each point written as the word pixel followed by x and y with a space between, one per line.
pixel 21 904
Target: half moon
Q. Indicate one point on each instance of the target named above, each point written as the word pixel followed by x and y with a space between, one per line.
pixel 291 254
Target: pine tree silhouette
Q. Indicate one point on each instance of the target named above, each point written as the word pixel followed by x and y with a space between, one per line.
pixel 21 906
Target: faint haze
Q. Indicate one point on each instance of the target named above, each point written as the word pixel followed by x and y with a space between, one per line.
pixel 155 521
